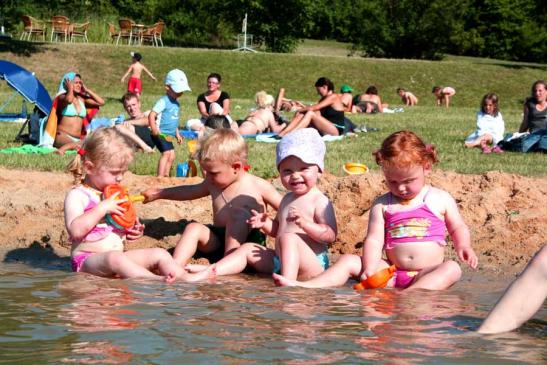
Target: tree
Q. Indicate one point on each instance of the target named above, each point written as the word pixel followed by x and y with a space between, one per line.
pixel 406 28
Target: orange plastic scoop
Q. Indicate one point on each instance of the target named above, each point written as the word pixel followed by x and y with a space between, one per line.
pixel 129 217
pixel 378 280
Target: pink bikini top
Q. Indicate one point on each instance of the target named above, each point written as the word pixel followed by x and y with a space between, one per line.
pixel 419 224
pixel 101 230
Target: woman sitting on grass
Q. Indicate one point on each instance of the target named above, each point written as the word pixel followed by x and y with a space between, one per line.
pixel 327 116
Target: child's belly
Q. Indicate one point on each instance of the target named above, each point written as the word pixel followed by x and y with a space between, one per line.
pixel 112 242
pixel 416 255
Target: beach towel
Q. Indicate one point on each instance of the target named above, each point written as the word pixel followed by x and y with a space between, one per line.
pixel 47 137
pixel 269 138
pixel 28 149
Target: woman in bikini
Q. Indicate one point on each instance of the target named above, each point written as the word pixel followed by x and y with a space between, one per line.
pixel 327 116
pixel 262 118
pixel 370 102
pixel 73 100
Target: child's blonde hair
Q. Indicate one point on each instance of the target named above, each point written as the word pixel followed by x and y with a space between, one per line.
pixel 104 147
pixel 403 149
pixel 223 145
pixel 264 99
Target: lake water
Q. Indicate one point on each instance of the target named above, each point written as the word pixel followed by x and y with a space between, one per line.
pixel 53 317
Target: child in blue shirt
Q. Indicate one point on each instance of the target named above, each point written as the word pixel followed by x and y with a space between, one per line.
pixel 176 84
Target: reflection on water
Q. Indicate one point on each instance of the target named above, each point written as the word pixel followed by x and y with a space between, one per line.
pixel 67 318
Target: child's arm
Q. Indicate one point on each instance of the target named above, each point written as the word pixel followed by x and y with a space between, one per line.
pixel 458 231
pixel 152 123
pixel 127 73
pixel 374 241
pixel 178 136
pixel 79 223
pixel 323 228
pixel 269 193
pixel 149 73
pixel 182 192
pixel 263 222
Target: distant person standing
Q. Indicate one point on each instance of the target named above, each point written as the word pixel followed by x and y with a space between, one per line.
pixel 443 95
pixel 134 84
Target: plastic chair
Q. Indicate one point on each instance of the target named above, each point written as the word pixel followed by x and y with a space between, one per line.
pixel 126 30
pixel 60 26
pixel 32 26
pixel 112 32
pixel 79 30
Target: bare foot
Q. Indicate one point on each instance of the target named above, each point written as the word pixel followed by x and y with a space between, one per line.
pixel 60 152
pixel 280 280
pixel 209 274
pixel 193 268
pixel 170 278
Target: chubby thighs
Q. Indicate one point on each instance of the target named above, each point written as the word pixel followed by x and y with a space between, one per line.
pixel 416 255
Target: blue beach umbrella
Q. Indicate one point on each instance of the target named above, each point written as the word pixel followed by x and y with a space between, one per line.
pixel 26 84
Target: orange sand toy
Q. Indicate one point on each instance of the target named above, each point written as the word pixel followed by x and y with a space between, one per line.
pixel 128 219
pixel 352 168
pixel 378 280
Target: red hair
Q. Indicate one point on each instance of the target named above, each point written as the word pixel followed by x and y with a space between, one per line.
pixel 404 149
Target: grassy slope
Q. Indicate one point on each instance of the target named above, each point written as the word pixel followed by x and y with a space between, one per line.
pixel 243 74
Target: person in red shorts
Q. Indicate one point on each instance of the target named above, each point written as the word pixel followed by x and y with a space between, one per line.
pixel 134 84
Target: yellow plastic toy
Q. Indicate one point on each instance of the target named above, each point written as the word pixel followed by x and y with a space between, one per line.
pixel 352 168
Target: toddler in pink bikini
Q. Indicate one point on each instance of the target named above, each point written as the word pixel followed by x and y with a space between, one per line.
pixel 98 247
pixel 408 223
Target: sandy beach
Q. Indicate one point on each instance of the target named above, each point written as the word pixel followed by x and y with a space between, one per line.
pixel 505 213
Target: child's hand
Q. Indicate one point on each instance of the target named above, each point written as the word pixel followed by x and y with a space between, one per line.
pixel 295 216
pixel 111 204
pixel 150 195
pixel 179 139
pixel 258 220
pixel 135 232
pixel 467 254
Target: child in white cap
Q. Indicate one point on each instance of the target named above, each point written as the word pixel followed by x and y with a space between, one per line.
pixel 305 224
pixel 176 84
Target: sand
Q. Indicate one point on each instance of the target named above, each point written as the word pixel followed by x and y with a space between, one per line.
pixel 507 214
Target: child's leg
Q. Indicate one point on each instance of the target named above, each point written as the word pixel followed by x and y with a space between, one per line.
pixel 116 263
pixel 195 236
pixel 257 256
pixel 522 298
pixel 297 258
pixel 156 260
pixel 338 274
pixel 237 230
pixel 438 277
pixel 165 163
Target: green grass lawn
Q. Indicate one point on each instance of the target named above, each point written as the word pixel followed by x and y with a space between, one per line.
pixel 103 65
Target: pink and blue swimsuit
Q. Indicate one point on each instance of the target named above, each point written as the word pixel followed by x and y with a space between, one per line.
pixel 413 225
pixel 98 232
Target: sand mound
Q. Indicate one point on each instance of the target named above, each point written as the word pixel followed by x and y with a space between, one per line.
pixel 506 213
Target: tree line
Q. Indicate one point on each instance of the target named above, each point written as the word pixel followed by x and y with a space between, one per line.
pixel 422 29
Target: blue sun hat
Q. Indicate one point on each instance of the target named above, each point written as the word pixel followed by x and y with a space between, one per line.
pixel 306 144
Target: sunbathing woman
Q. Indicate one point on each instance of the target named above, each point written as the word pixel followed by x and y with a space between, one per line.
pixel 327 116
pixel 262 118
pixel 73 100
pixel 369 102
